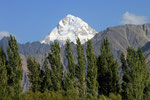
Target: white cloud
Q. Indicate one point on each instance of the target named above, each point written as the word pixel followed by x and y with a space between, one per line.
pixel 3 34
pixel 129 18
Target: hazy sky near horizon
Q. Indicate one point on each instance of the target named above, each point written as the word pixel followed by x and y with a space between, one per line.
pixel 32 20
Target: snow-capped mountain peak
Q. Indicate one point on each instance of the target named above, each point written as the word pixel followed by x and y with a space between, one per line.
pixel 70 28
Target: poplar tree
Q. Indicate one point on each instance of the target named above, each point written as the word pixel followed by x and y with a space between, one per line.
pixel 145 77
pixel 56 71
pixel 91 70
pixel 69 82
pixel 135 75
pixel 3 76
pixel 46 82
pixel 80 70
pixel 108 74
pixel 14 69
pixel 147 91
pixel 34 74
pixel 126 77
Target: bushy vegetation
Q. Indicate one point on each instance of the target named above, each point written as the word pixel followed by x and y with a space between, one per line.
pixel 62 95
pixel 92 78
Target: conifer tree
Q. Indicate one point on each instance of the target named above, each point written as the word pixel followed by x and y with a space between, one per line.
pixel 14 69
pixel 108 75
pixel 3 76
pixel 80 70
pixel 69 82
pixel 91 70
pixel 56 71
pixel 34 74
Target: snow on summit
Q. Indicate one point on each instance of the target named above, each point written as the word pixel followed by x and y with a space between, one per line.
pixel 70 28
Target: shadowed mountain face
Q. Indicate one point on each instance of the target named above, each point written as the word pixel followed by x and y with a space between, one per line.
pixel 120 38
pixel 27 48
pixel 4 43
pixel 146 51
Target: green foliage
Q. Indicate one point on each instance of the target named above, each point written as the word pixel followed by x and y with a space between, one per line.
pixel 112 96
pixel 34 74
pixel 102 97
pixel 80 70
pixel 49 95
pixel 145 76
pixel 46 79
pixel 63 95
pixel 56 71
pixel 71 63
pixel 135 75
pixel 3 76
pixel 108 75
pixel 14 68
pixel 147 91
pixel 91 70
pixel 69 82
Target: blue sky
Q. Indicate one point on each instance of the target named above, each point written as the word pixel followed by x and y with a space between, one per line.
pixel 32 20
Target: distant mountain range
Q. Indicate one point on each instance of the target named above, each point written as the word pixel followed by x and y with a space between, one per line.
pixel 120 37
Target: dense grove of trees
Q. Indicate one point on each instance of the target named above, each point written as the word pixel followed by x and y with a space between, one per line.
pixel 92 77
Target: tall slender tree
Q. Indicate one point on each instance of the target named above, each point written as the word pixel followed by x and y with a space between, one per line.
pixel 108 74
pixel 145 77
pixel 3 76
pixel 135 75
pixel 56 66
pixel 126 78
pixel 14 68
pixel 46 81
pixel 91 70
pixel 34 74
pixel 80 70
pixel 69 82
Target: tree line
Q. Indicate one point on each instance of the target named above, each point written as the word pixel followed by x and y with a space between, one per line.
pixel 92 77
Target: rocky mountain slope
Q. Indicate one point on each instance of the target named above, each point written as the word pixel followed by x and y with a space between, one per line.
pixel 121 37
